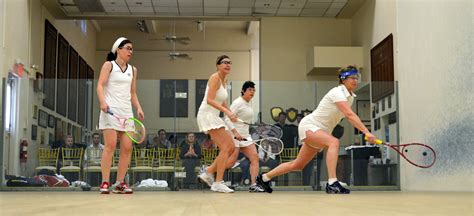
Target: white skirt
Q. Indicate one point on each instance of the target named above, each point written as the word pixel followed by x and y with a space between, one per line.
pixel 107 121
pixel 243 143
pixel 207 121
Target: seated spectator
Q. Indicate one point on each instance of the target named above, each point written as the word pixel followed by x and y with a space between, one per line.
pixel 93 153
pixel 160 141
pixel 190 155
pixel 69 142
pixel 208 143
pixel 59 142
pixel 289 131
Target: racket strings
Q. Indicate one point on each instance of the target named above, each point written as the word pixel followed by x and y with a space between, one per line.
pixel 135 130
pixel 265 131
pixel 419 154
pixel 273 146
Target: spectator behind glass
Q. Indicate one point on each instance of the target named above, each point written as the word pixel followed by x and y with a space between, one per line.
pixel 190 155
pixel 160 141
pixel 190 148
pixel 208 143
pixel 59 140
pixel 289 133
pixel 93 153
pixel 69 142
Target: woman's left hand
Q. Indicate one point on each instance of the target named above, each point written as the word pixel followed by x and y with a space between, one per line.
pixel 140 114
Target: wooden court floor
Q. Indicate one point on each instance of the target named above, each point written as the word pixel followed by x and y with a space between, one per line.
pixel 240 203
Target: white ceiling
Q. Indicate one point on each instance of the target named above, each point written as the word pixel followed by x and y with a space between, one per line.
pixel 205 8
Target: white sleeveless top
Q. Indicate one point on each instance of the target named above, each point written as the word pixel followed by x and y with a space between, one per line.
pixel 221 96
pixel 117 96
pixel 208 116
pixel 117 90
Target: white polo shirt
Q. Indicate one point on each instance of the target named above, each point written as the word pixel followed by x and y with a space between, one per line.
pixel 243 110
pixel 327 115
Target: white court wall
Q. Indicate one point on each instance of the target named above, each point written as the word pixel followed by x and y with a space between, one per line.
pixel 436 99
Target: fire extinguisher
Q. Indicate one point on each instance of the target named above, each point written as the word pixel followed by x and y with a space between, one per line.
pixel 23 151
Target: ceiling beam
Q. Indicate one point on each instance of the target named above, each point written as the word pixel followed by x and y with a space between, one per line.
pixel 96 25
pixel 252 27
pixel 152 26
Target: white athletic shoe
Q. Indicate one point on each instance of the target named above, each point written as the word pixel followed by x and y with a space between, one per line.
pixel 221 187
pixel 206 177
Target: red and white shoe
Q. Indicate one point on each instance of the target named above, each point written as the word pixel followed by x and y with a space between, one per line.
pixel 122 188
pixel 104 188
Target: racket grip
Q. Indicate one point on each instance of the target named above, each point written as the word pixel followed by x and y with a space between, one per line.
pixel 377 141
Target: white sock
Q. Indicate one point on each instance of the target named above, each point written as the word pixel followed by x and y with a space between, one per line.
pixel 332 180
pixel 265 178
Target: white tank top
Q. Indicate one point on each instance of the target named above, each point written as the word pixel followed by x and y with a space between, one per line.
pixel 221 96
pixel 117 90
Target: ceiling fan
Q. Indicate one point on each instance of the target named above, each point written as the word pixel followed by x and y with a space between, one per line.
pixel 174 55
pixel 173 39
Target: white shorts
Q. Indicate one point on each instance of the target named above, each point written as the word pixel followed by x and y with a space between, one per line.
pixel 243 143
pixel 306 125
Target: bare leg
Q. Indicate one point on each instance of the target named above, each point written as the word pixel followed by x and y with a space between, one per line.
pixel 322 139
pixel 125 156
pixel 230 161
pixel 304 156
pixel 110 139
pixel 251 153
pixel 226 146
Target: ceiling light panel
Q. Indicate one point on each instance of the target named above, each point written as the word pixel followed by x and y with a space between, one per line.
pixel 216 3
pixel 141 10
pixel 165 3
pixel 338 5
pixel 312 12
pixel 267 3
pixel 241 3
pixel 240 11
pixel 190 3
pixel 113 3
pixel 190 11
pixel 117 10
pixel 288 12
pixel 215 11
pixel 292 4
pixel 166 9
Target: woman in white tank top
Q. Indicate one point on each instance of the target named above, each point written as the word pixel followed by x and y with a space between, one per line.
pixel 208 121
pixel 116 90
pixel 315 131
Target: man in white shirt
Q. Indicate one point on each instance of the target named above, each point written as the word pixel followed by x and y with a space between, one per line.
pixel 93 154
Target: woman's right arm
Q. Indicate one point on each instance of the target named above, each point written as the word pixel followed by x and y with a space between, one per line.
pixel 344 107
pixel 214 84
pixel 103 77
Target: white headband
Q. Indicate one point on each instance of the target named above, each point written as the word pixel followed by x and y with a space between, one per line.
pixel 117 43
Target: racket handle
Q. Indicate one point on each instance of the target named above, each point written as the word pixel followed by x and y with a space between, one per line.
pixel 109 111
pixel 377 141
